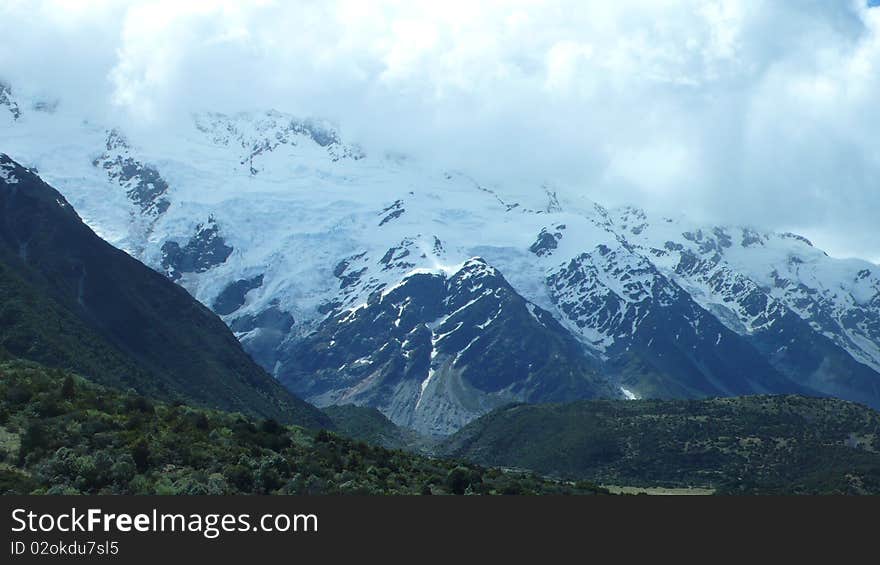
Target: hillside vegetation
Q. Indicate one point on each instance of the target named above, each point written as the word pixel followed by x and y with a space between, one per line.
pixel 61 434
pixel 368 424
pixel 757 444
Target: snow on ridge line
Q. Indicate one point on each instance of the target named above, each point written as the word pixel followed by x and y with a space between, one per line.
pixel 6 170
pixel 448 271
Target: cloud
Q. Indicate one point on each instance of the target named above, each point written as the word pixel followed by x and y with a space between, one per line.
pixel 761 112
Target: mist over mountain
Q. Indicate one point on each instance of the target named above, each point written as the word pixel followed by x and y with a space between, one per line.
pixel 732 111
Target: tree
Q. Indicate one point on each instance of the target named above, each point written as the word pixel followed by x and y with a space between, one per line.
pixel 34 437
pixel 140 453
pixel 202 422
pixel 458 480
pixel 271 426
pixel 68 388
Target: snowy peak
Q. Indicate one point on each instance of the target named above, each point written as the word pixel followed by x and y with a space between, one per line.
pixel 8 170
pixel 474 275
pixel 438 350
pixel 604 289
pixel 623 306
pixel 142 183
pixel 254 137
pixel 759 275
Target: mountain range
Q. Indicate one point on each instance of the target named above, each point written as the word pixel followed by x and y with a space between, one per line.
pixel 385 282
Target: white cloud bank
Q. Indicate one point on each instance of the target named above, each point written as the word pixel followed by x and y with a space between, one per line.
pixel 749 111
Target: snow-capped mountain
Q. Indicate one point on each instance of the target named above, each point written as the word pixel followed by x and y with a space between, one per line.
pixel 377 280
pixel 438 350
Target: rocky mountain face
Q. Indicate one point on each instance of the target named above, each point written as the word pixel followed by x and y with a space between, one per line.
pixel 7 101
pixel 644 316
pixel 434 351
pixel 380 281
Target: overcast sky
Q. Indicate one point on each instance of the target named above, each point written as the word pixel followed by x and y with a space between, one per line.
pixel 761 112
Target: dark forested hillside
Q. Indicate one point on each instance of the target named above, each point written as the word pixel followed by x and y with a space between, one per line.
pixel 61 434
pixel 758 444
pixel 368 424
pixel 70 300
